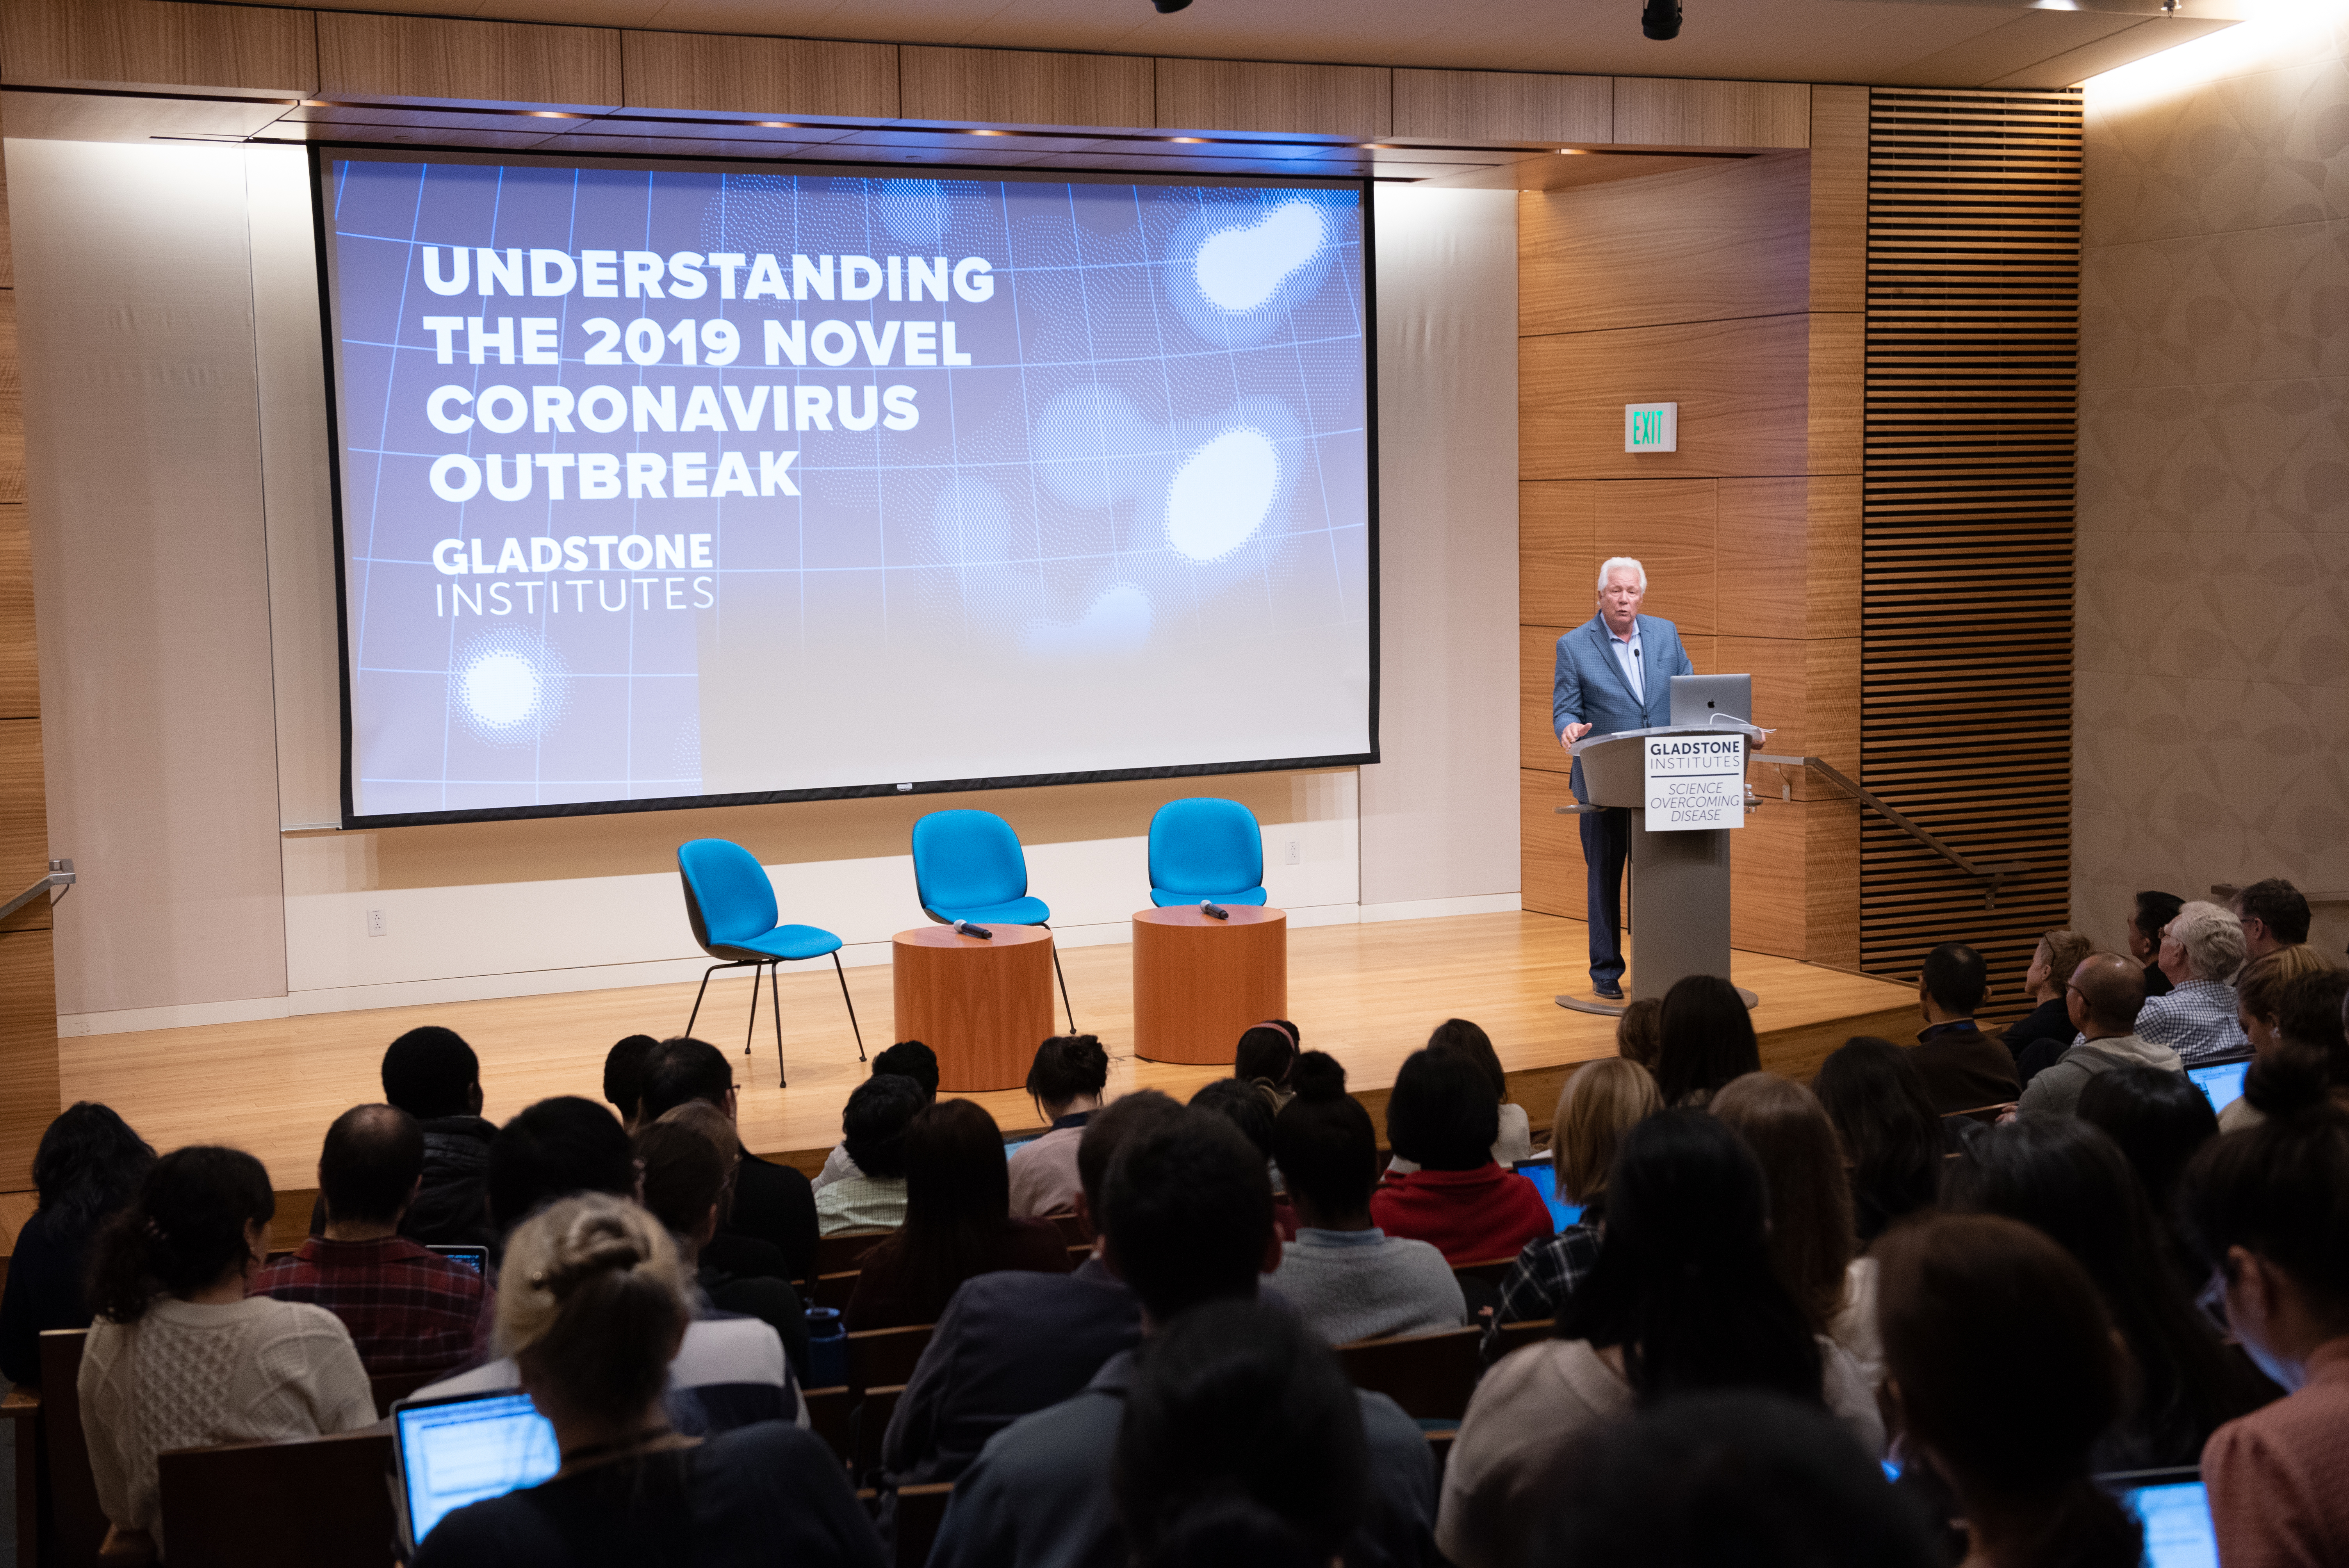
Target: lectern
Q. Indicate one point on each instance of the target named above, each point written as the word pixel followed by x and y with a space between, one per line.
pixel 1679 874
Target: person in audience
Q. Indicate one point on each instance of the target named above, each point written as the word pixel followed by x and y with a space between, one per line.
pixel 408 1310
pixel 1065 1081
pixel 1186 1220
pixel 89 1164
pixel 598 1312
pixel 623 1077
pixel 1441 1117
pixel 729 1254
pixel 2291 1003
pixel 1249 1106
pixel 907 1058
pixel 1963 1068
pixel 180 1357
pixel 2201 949
pixel 2003 1374
pixel 1704 1038
pixel 1638 1030
pixel 1811 1234
pixel 1891 1135
pixel 772 1203
pixel 2158 1120
pixel 1515 1141
pixel 432 1074
pixel 2148 914
pixel 2267 1210
pixel 1348 1279
pixel 2068 1180
pixel 1011 1343
pixel 730 1372
pixel 2106 996
pixel 2274 916
pixel 873 1128
pixel 1242 1443
pixel 2057 954
pixel 1740 1476
pixel 1266 1055
pixel 959 1222
pixel 1600 1102
pixel 686 1183
pixel 1684 1300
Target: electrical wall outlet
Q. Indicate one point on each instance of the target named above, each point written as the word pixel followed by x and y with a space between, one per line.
pixel 1296 852
pixel 376 925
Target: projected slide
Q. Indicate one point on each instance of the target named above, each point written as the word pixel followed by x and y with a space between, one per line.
pixel 683 485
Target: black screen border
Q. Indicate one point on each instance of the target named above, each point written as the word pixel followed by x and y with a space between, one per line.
pixel 322 152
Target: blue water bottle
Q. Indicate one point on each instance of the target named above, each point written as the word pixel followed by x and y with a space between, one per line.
pixel 827 1348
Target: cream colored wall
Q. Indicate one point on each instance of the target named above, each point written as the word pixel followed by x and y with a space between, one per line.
pixel 2213 599
pixel 195 767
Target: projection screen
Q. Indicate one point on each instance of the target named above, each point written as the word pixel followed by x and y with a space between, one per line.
pixel 694 484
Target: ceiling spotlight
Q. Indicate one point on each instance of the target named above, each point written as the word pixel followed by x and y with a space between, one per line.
pixel 1168 7
pixel 1660 19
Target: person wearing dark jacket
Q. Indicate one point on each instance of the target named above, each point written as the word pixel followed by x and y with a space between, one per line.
pixel 89 1164
pixel 773 1203
pixel 1963 1068
pixel 2052 962
pixel 432 1074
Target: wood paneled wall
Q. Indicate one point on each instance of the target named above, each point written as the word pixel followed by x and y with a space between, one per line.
pixel 443 61
pixel 1735 291
pixel 1973 295
pixel 28 997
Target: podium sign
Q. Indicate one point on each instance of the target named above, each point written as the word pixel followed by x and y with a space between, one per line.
pixel 1695 782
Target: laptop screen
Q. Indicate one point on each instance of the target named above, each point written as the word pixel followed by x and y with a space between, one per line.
pixel 456 1452
pixel 1544 1176
pixel 1015 1145
pixel 2176 1519
pixel 2221 1081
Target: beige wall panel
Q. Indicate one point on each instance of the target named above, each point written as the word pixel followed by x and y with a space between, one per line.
pixel 28 1052
pixel 1839 198
pixel 24 821
pixel 20 665
pixel 159 43
pixel 1726 240
pixel 437 60
pixel 1503 105
pixel 1740 386
pixel 1556 876
pixel 1245 95
pixel 1838 381
pixel 788 76
pixel 1028 86
pixel 1660 112
pixel 1555 531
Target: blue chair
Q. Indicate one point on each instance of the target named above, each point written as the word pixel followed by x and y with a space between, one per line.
pixel 731 905
pixel 1205 848
pixel 969 865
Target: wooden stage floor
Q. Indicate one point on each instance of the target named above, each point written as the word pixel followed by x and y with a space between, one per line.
pixel 1369 995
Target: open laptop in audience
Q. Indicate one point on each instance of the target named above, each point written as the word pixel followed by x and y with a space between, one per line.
pixel 2174 1512
pixel 2220 1079
pixel 448 1452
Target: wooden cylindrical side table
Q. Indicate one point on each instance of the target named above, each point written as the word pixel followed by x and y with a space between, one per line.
pixel 1199 982
pixel 983 1006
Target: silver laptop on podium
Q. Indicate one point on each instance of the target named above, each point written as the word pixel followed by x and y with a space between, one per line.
pixel 1697 698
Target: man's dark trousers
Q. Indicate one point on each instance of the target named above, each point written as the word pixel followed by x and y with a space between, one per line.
pixel 1606 847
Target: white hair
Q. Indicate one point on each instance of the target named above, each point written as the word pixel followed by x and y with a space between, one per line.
pixel 2212 939
pixel 1606 569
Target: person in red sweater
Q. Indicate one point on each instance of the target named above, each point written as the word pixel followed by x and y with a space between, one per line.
pixel 1441 1117
pixel 2268 1208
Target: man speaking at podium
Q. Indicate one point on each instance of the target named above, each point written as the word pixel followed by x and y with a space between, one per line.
pixel 1614 673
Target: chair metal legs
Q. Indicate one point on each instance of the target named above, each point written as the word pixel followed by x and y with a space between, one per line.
pixel 1064 981
pixel 851 1004
pixel 774 969
pixel 697 995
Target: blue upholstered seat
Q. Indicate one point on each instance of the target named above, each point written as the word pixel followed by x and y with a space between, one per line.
pixel 969 865
pixel 730 903
pixel 1205 848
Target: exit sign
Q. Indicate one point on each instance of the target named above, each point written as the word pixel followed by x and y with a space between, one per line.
pixel 1651 426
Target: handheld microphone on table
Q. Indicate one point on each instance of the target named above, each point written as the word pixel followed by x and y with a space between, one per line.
pixel 1213 911
pixel 965 928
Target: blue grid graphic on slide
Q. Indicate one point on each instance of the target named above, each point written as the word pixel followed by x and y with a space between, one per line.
pixel 667 484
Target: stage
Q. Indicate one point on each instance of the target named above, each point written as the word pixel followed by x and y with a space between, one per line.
pixel 1367 994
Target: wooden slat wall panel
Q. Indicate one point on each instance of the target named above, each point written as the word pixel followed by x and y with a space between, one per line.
pixel 159 43
pixel 1974 215
pixel 435 59
pixel 1245 94
pixel 1026 86
pixel 788 76
pixel 1503 105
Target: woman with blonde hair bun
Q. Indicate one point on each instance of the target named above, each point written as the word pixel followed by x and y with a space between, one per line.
pixel 593 1305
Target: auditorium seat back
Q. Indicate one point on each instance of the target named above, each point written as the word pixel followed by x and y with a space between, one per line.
pixel 1430 1376
pixel 322 1503
pixel 77 1523
pixel 920 1511
pixel 881 1356
pixel 844 1251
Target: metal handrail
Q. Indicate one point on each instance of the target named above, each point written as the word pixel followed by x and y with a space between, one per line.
pixel 1991 876
pixel 61 874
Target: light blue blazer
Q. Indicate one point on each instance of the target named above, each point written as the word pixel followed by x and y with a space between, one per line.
pixel 1590 688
